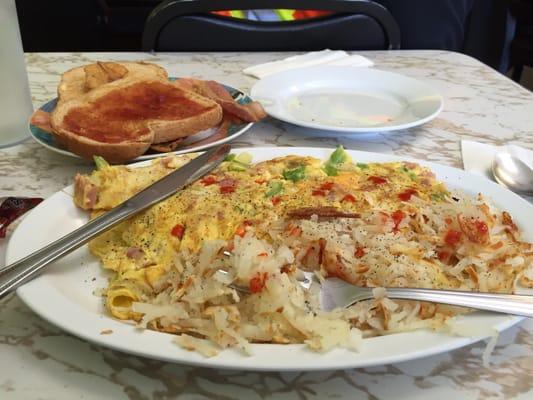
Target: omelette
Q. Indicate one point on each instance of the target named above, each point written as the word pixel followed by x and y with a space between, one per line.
pixel 372 224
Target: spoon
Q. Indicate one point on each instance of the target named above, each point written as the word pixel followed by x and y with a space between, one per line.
pixel 513 173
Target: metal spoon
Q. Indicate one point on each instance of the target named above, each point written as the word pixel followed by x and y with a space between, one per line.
pixel 513 173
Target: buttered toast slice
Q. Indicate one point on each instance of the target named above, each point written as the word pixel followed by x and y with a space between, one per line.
pixel 76 82
pixel 120 119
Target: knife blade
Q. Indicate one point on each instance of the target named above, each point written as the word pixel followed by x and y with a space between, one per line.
pixel 20 272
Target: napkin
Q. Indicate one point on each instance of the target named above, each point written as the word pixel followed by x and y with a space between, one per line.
pixel 477 157
pixel 323 57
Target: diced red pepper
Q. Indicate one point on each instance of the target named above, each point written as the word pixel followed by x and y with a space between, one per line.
pixel 276 200
pixel 263 254
pixel 443 255
pixel 377 180
pixel 227 189
pixel 260 181
pixel 448 220
pixel 178 231
pixel 452 237
pixel 406 195
pixel 326 186
pixel 257 283
pixel 241 229
pixel 348 198
pixel 475 230
pixel 296 231
pixel 359 252
pixel 397 217
pixel 209 180
pixel 481 227
pixel 318 193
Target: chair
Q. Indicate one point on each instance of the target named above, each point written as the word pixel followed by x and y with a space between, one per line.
pixel 522 45
pixel 186 25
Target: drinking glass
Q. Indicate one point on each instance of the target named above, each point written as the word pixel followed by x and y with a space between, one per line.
pixel 15 99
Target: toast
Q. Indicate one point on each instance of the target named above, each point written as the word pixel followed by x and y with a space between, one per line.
pixel 118 110
pixel 78 81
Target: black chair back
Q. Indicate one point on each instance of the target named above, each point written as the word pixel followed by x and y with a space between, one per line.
pixel 186 25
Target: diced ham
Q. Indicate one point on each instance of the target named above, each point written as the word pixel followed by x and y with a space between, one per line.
pixel 86 192
pixel 227 185
pixel 428 174
pixel 134 253
pixel 410 165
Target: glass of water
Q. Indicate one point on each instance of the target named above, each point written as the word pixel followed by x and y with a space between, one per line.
pixel 15 99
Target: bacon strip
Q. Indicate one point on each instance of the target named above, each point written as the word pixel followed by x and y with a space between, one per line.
pixel 41 119
pixel 251 112
pixel 167 146
pixel 321 212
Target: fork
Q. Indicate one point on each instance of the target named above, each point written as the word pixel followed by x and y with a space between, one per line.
pixel 336 293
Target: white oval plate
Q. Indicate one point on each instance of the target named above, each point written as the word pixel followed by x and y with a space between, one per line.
pixel 347 99
pixel 64 294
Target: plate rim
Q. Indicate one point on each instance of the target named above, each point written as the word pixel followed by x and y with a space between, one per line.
pixel 33 300
pixel 354 130
pixel 143 157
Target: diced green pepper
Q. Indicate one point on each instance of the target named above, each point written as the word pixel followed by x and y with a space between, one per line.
pixel 413 176
pixel 238 162
pixel 295 174
pixel 244 158
pixel 330 170
pixel 362 165
pixel 438 196
pixel 338 157
pixel 410 174
pixel 100 162
pixel 274 188
pixel 237 166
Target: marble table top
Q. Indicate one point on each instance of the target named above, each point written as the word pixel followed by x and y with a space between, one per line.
pixel 38 361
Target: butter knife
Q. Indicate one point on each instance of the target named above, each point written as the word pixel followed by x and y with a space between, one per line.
pixel 20 272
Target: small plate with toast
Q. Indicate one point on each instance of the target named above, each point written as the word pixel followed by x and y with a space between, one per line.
pixel 132 111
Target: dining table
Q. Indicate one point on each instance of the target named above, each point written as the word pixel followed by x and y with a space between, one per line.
pixel 40 361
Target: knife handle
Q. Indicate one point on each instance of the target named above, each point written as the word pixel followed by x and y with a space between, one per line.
pixel 19 272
